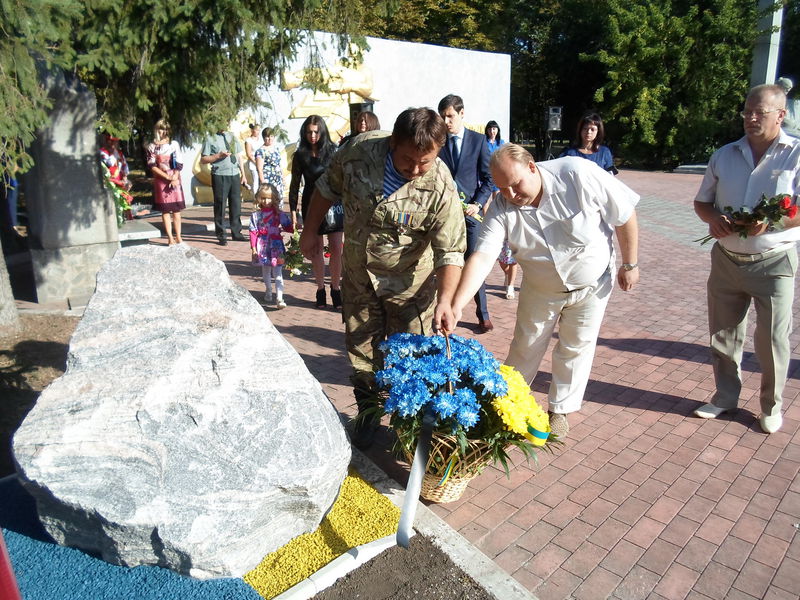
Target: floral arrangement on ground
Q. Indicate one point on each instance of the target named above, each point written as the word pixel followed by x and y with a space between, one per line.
pixel 293 259
pixel 122 198
pixel 482 409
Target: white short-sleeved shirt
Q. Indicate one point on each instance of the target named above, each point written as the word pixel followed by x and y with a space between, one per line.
pixel 571 230
pixel 732 180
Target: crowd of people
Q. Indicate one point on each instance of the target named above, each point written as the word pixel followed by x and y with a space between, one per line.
pixel 413 220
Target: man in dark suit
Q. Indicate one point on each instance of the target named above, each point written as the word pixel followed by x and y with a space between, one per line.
pixel 467 156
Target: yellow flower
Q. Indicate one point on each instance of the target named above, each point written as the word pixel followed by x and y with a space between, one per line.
pixel 518 409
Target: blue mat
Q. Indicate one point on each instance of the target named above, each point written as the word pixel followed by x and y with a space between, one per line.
pixel 46 571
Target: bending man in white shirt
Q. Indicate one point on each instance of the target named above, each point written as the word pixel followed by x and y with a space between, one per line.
pixel 559 217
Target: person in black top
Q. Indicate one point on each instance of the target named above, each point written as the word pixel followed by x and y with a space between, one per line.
pixel 313 154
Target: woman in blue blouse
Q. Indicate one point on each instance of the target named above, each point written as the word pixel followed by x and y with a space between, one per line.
pixel 492 132
pixel 589 143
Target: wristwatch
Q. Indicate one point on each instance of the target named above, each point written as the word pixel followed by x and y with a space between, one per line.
pixel 629 266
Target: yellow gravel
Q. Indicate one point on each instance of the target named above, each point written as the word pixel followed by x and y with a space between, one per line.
pixel 360 515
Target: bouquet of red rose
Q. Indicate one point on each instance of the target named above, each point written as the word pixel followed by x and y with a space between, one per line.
pixel 768 210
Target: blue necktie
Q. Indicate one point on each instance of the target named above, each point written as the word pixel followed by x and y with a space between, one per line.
pixel 454 151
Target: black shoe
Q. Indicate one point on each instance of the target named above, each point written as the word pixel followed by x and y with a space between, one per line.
pixel 238 237
pixel 223 241
pixel 336 298
pixel 364 435
pixel 321 299
pixel 485 326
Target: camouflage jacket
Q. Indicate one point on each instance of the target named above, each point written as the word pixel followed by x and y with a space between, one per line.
pixel 397 242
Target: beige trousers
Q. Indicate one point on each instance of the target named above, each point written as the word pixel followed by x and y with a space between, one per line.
pixel 579 315
pixel 732 285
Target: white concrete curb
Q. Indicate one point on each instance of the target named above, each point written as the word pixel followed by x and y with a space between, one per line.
pixel 337 568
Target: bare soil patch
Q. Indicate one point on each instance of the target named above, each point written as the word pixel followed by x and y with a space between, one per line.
pixel 29 361
pixel 421 572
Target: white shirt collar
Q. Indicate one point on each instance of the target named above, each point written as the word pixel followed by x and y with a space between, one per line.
pixel 459 135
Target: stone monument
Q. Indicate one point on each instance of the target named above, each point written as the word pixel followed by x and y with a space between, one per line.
pixel 185 432
pixel 72 223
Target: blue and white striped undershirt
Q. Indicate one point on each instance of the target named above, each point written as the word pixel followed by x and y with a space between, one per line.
pixel 392 180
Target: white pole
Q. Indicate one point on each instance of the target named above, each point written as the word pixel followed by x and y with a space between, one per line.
pixel 765 54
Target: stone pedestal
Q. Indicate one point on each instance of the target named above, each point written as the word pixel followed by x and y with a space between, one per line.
pixel 72 223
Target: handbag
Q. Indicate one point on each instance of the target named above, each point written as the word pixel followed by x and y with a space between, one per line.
pixel 333 221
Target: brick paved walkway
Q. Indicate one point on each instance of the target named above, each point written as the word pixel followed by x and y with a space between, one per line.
pixel 645 500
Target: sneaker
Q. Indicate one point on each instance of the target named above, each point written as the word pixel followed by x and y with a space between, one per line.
pixel 710 411
pixel 336 298
pixel 267 298
pixel 321 298
pixel 280 304
pixel 510 295
pixel 770 423
pixel 559 425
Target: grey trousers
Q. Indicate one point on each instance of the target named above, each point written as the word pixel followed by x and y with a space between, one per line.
pixel 732 285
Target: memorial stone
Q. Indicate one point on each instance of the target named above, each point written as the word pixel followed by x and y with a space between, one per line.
pixel 185 432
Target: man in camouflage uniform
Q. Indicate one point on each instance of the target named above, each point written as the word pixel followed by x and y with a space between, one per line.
pixel 403 224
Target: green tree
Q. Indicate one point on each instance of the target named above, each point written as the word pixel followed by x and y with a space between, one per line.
pixel 36 30
pixel 197 63
pixel 675 75
pixel 790 42
pixel 474 25
pixel 548 69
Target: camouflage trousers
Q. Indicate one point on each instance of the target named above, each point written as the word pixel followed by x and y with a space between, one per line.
pixel 370 319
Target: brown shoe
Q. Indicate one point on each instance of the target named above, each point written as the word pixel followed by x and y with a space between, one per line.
pixel 485 326
pixel 559 425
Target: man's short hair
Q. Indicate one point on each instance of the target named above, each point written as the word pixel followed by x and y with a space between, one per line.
pixel 510 151
pixel 421 127
pixel 451 100
pixel 777 92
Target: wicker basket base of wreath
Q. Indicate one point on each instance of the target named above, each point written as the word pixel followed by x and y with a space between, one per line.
pixel 448 473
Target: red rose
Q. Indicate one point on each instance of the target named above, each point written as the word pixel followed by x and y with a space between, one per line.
pixel 786 202
pixel 791 212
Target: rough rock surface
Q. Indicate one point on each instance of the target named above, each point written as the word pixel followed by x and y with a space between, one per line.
pixel 185 431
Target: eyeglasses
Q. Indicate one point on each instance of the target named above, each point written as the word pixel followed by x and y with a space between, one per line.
pixel 749 114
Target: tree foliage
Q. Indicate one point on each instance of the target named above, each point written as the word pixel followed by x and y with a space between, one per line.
pixel 790 42
pixel 195 63
pixel 35 30
pixel 675 75
pixel 667 75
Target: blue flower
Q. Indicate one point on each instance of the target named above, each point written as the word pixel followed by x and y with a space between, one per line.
pixel 417 373
pixel 468 412
pixel 445 405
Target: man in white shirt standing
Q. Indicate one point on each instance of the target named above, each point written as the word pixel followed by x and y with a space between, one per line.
pixel 560 217
pixel 760 267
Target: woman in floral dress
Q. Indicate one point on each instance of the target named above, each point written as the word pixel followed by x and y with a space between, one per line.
pixel 268 161
pixel 162 158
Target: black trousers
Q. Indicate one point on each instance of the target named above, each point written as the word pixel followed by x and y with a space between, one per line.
pixel 227 187
pixel 481 303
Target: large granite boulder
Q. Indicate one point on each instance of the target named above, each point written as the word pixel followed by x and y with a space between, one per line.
pixel 185 432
